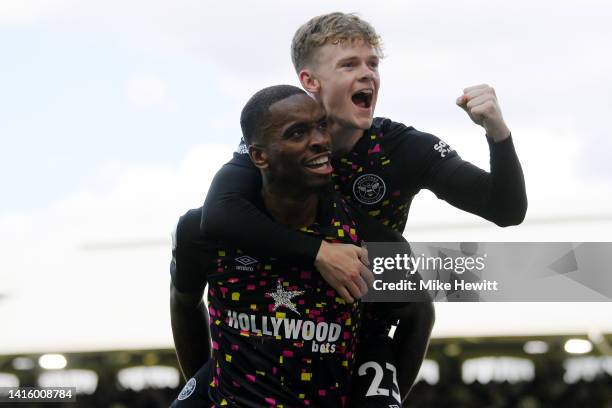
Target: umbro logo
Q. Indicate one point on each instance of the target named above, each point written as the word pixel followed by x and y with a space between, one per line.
pixel 246 260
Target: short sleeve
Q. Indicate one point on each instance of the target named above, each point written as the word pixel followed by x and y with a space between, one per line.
pixel 190 254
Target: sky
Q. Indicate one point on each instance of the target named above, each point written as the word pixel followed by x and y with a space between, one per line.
pixel 114 115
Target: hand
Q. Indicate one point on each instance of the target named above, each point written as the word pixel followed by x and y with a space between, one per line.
pixel 343 266
pixel 480 103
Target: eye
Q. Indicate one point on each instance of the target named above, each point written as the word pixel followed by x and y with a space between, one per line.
pixel 297 133
pixel 374 65
pixel 323 125
pixel 348 64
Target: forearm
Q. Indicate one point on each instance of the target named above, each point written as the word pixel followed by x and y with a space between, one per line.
pixel 190 329
pixel 508 193
pixel 229 213
pixel 498 196
pixel 410 343
pixel 242 223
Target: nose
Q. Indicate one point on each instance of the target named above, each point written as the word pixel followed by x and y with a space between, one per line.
pixel 366 73
pixel 320 140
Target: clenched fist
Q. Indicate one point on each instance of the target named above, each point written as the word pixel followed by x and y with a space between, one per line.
pixel 480 103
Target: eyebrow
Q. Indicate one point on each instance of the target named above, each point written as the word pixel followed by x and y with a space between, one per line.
pixel 346 59
pixel 294 126
pixel 304 124
pixel 355 57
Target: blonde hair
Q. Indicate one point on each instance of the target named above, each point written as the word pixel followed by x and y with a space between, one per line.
pixel 331 28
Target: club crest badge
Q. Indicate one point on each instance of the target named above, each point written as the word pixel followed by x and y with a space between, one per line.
pixel 187 390
pixel 369 189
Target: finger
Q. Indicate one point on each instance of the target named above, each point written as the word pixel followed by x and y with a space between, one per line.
pixel 353 289
pixel 363 256
pixel 471 88
pixel 345 295
pixel 363 286
pixel 478 92
pixel 473 92
pixel 486 108
pixel 479 100
pixel 354 249
pixel 367 275
pixel 462 103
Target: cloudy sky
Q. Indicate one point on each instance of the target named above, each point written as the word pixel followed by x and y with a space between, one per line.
pixel 114 116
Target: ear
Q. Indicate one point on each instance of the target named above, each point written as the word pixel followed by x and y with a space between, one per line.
pixel 259 157
pixel 309 81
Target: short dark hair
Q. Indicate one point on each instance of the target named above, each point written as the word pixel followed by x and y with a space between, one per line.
pixel 256 110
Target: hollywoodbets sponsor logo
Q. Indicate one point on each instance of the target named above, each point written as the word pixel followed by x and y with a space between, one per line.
pixel 322 334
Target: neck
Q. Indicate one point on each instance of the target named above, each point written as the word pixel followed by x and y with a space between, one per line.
pixel 344 139
pixel 289 207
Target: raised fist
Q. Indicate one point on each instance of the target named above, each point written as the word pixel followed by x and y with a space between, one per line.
pixel 480 103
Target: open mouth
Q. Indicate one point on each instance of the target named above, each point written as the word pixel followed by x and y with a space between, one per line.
pixel 363 98
pixel 317 163
pixel 320 164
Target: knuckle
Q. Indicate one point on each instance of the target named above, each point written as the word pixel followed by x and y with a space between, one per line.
pixel 351 277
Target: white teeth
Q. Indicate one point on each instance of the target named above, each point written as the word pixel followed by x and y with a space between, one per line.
pixel 321 160
pixel 366 91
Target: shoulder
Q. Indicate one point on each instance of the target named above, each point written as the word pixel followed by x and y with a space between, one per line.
pixel 237 172
pixel 410 140
pixel 187 229
pixel 190 257
pixel 241 160
pixel 392 130
pixel 190 244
